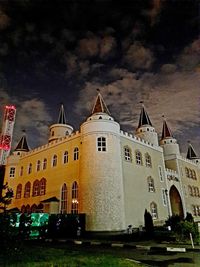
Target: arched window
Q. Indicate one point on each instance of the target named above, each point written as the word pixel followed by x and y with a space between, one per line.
pixel 44 164
pixel 36 188
pixel 138 157
pixel 65 157
pixel 190 173
pixel 27 190
pixel 34 208
pixel 154 211
pixel 148 160
pixel 23 209
pixel 76 152
pixel 54 162
pixel 63 199
pixel 194 191
pixel 127 153
pixel 101 144
pixel 186 172
pixel 42 186
pixel 29 168
pixel 194 174
pixel 19 191
pixel 21 171
pixel 27 209
pixel 38 165
pixel 74 209
pixel 151 186
pixel 190 190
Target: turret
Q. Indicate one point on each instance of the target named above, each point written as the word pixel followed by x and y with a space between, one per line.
pixel 22 146
pixel 168 142
pixel 191 154
pixel 145 129
pixel 61 128
pixel 101 176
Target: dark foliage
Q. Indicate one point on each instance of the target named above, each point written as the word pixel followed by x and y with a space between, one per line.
pixel 148 223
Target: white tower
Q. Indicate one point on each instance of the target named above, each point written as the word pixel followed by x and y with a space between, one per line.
pixel 168 142
pixel 61 128
pixel 145 129
pixel 192 155
pixel 101 171
pixel 7 132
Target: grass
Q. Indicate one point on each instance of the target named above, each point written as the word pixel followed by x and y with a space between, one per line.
pixel 40 256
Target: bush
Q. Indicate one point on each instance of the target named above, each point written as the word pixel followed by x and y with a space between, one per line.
pixel 184 228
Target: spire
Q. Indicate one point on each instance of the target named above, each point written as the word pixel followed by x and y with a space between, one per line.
pixel 62 117
pixel 191 154
pixel 22 145
pixel 144 118
pixel 166 132
pixel 100 105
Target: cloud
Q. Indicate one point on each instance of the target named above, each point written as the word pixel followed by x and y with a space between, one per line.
pixel 4 20
pixel 88 47
pixel 107 47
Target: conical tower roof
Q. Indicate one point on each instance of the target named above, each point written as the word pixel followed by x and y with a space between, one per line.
pixel 100 105
pixel 22 145
pixel 191 154
pixel 144 118
pixel 62 117
pixel 166 132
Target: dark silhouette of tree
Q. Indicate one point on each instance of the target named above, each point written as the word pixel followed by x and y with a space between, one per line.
pixel 148 223
pixel 6 197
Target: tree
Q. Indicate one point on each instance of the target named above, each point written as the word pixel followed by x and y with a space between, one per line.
pixel 6 197
pixel 148 223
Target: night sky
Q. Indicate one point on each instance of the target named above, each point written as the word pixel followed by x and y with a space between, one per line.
pixel 62 51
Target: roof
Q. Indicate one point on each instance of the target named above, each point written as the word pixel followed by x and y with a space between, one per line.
pixel 166 132
pixel 61 116
pixel 51 199
pixel 22 145
pixel 191 154
pixel 100 105
pixel 144 118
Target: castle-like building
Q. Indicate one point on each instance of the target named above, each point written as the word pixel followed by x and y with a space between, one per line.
pixel 109 175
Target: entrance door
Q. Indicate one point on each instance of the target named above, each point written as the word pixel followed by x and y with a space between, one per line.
pixel 176 203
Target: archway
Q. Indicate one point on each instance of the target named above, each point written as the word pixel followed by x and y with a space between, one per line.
pixel 176 203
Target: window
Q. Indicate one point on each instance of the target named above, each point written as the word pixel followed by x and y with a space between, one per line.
pixel 44 164
pixel 12 172
pixel 36 188
pixel 127 153
pixel 27 190
pixel 19 191
pixel 190 190
pixel 38 165
pixel 21 171
pixel 76 153
pixel 74 209
pixel 150 182
pixel 42 186
pixel 52 133
pixel 160 173
pixel 138 157
pixel 101 144
pixel 186 172
pixel 30 168
pixel 154 212
pixel 148 160
pixel 63 201
pixel 65 157
pixel 164 197
pixel 190 173
pixel 54 162
pixel 194 174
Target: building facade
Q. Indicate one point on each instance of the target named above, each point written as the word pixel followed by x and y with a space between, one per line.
pixel 109 175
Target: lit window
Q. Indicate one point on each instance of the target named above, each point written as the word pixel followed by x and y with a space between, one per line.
pixel 44 164
pixel 42 186
pixel 21 171
pixel 154 212
pixel 54 163
pixel 151 186
pixel 186 172
pixel 19 191
pixel 127 153
pixel 65 157
pixel 148 160
pixel 138 157
pixel 38 166
pixel 101 144
pixel 63 201
pixel 74 208
pixel 76 152
pixel 12 172
pixel 160 173
pixel 27 190
pixel 164 197
pixel 30 168
pixel 36 188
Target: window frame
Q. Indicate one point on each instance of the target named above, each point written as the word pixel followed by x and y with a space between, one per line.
pixel 101 144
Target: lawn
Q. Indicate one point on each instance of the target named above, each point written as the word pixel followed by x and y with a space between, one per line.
pixel 46 256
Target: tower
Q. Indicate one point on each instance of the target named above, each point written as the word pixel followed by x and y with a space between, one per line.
pixel 22 146
pixel 145 129
pixel 101 171
pixel 7 132
pixel 168 142
pixel 61 128
pixel 191 154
